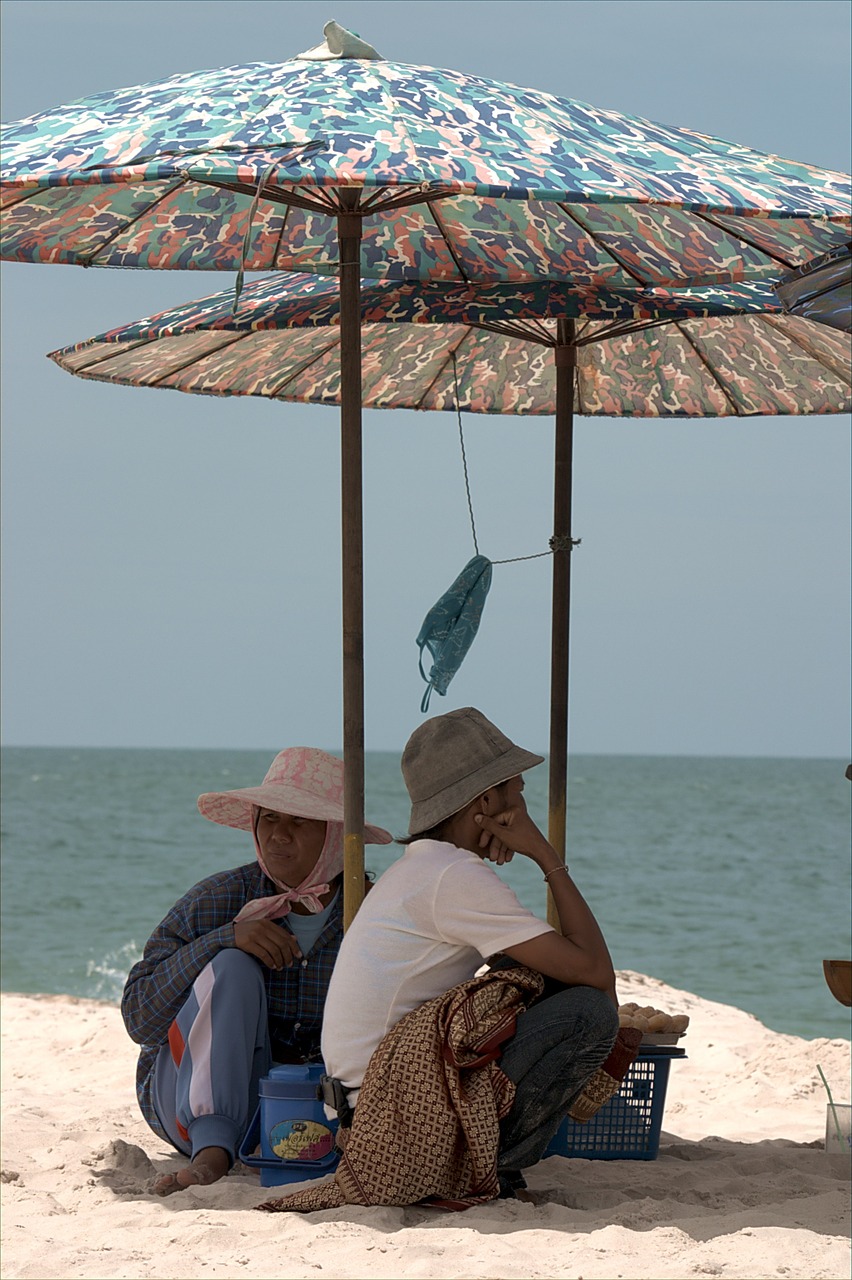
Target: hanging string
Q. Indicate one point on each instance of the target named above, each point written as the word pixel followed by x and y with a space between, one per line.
pixel 298 151
pixel 463 454
pixel 241 269
pixel 562 542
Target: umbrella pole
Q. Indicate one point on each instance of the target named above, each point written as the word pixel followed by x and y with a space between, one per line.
pixel 352 559
pixel 565 356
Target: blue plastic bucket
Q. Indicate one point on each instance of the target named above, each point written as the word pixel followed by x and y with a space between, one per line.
pixel 296 1138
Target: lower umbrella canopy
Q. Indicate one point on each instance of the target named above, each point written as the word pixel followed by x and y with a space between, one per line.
pixel 710 352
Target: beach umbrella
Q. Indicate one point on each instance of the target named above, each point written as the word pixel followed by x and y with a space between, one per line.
pixel 712 352
pixel 822 289
pixel 339 161
pixel 708 352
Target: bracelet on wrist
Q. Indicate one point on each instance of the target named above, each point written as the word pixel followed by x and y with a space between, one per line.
pixel 553 870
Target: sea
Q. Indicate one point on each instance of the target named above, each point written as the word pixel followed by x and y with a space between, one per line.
pixel 727 877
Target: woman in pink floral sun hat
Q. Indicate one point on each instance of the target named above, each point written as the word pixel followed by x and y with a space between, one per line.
pixel 234 978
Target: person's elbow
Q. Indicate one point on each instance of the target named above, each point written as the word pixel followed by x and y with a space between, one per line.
pixel 559 958
pixel 587 971
pixel 602 977
pixel 140 1029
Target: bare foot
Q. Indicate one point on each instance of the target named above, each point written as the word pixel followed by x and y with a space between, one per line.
pixel 209 1165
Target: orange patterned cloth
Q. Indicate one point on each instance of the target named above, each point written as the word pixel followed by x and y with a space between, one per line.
pixel 426 1126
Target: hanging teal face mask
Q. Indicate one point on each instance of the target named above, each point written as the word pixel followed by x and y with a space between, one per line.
pixel 450 625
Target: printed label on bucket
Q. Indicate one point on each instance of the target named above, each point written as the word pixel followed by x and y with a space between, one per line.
pixel 301 1140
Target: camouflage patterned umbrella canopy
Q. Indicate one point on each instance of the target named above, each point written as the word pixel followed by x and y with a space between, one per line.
pixel 455 177
pixel 708 352
pixel 341 161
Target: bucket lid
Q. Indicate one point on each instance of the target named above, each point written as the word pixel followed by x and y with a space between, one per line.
pixel 297 1071
pixel 292 1080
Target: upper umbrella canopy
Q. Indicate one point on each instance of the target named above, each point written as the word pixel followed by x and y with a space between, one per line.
pixel 457 177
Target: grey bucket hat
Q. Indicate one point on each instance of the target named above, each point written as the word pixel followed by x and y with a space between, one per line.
pixel 451 759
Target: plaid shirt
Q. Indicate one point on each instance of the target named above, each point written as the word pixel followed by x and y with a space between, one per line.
pixel 196 929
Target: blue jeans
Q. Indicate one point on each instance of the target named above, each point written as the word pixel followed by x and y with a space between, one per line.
pixel 558 1045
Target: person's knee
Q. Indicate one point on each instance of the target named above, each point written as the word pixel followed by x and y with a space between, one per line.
pixel 606 1014
pixel 600 1011
pixel 231 965
pixel 594 1009
pixel 232 989
pixel 236 975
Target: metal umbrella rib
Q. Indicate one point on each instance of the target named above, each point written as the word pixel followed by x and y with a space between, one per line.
pixel 634 275
pixel 753 244
pixel 840 369
pixel 709 368
pixel 439 223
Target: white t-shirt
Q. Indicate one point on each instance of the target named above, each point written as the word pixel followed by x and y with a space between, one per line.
pixel 427 924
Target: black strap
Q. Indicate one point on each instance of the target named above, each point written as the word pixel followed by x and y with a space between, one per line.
pixel 331 1091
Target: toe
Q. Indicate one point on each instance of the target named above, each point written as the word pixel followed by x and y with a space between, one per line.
pixel 165 1185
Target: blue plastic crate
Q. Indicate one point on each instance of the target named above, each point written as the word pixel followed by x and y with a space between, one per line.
pixel 628 1126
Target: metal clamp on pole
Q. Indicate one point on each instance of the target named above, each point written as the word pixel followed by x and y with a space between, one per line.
pixel 564 542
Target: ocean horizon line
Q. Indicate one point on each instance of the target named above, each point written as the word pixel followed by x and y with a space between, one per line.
pixel 338 751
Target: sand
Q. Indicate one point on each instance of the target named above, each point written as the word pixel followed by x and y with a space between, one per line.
pixel 742 1185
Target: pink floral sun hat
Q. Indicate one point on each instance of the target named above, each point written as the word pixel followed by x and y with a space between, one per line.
pixel 301 781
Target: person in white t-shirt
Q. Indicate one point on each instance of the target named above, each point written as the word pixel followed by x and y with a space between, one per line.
pixel 440 911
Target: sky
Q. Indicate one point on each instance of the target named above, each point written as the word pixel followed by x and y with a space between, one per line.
pixel 171 562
